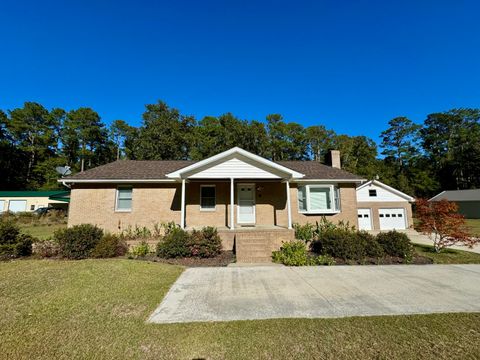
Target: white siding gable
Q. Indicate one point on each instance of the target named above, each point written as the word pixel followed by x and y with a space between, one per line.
pixel 235 168
pixel 383 195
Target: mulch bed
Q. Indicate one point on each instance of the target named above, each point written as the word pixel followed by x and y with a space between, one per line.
pixel 225 258
pixel 387 260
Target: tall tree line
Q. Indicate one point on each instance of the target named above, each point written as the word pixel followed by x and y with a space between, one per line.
pixel 442 153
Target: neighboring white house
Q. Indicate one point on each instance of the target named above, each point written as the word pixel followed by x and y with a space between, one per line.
pixel 381 207
pixel 26 201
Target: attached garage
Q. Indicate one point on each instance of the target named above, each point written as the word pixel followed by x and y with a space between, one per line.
pixel 381 207
pixel 392 219
pixel 17 205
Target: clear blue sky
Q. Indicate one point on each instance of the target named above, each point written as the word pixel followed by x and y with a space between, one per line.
pixel 350 65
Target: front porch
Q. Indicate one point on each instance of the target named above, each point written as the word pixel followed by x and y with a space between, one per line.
pixel 246 197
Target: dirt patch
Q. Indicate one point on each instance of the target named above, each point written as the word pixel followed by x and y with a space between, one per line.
pixel 225 258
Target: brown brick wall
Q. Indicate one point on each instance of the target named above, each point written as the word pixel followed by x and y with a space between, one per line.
pixel 375 206
pixel 95 204
pixel 155 203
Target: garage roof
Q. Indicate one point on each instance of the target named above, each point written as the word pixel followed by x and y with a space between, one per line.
pixel 458 195
pixel 31 193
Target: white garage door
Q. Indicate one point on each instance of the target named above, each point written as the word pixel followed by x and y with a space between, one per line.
pixel 2 205
pixel 17 205
pixel 391 219
pixel 364 219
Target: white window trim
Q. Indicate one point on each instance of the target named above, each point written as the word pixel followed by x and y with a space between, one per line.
pixel 116 199
pixel 200 204
pixel 307 198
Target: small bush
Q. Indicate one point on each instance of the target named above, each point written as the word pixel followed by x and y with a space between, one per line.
pixel 110 246
pixel 140 250
pixel 9 232
pixel 204 243
pixel 396 244
pixel 292 253
pixel 174 244
pixel 340 244
pixel 78 241
pixel 12 243
pixel 295 253
pixel 370 244
pixel 46 248
pixel 305 232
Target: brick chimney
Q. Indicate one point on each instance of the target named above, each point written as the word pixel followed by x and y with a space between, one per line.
pixel 335 159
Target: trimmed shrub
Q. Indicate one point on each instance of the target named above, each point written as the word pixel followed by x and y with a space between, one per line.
pixel 295 253
pixel 12 243
pixel 174 244
pixel 370 244
pixel 140 250
pixel 292 253
pixel 396 244
pixel 46 248
pixel 110 246
pixel 78 241
pixel 305 232
pixel 340 244
pixel 204 243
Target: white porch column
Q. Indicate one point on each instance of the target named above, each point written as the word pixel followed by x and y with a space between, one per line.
pixel 289 208
pixel 182 215
pixel 232 205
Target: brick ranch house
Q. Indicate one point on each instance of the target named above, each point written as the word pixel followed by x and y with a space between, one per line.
pixel 252 201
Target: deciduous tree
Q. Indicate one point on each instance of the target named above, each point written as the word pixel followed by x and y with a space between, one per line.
pixel 441 221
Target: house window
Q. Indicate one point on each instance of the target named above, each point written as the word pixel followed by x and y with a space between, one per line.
pixel 318 199
pixel 372 193
pixel 32 207
pixel 207 197
pixel 124 199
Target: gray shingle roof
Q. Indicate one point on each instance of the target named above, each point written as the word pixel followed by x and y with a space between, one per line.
pixel 458 195
pixel 157 169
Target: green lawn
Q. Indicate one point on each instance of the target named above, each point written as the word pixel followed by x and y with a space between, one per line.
pixel 448 256
pixel 97 309
pixel 41 231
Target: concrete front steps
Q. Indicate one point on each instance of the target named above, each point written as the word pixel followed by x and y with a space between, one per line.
pixel 257 246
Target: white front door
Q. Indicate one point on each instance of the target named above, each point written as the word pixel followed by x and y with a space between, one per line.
pixel 391 219
pixel 246 203
pixel 364 219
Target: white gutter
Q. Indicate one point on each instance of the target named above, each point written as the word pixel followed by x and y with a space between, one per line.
pixel 327 180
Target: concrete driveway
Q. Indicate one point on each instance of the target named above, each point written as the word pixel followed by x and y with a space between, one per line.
pixel 243 293
pixel 425 240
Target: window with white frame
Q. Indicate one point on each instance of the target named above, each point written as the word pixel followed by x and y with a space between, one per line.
pixel 207 197
pixel 124 199
pixel 318 199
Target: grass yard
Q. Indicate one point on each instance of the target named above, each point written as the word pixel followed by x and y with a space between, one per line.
pixel 97 309
pixel 41 231
pixel 448 256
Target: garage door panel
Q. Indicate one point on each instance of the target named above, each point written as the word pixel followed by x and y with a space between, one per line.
pixel 392 219
pixel 2 206
pixel 364 219
pixel 17 205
